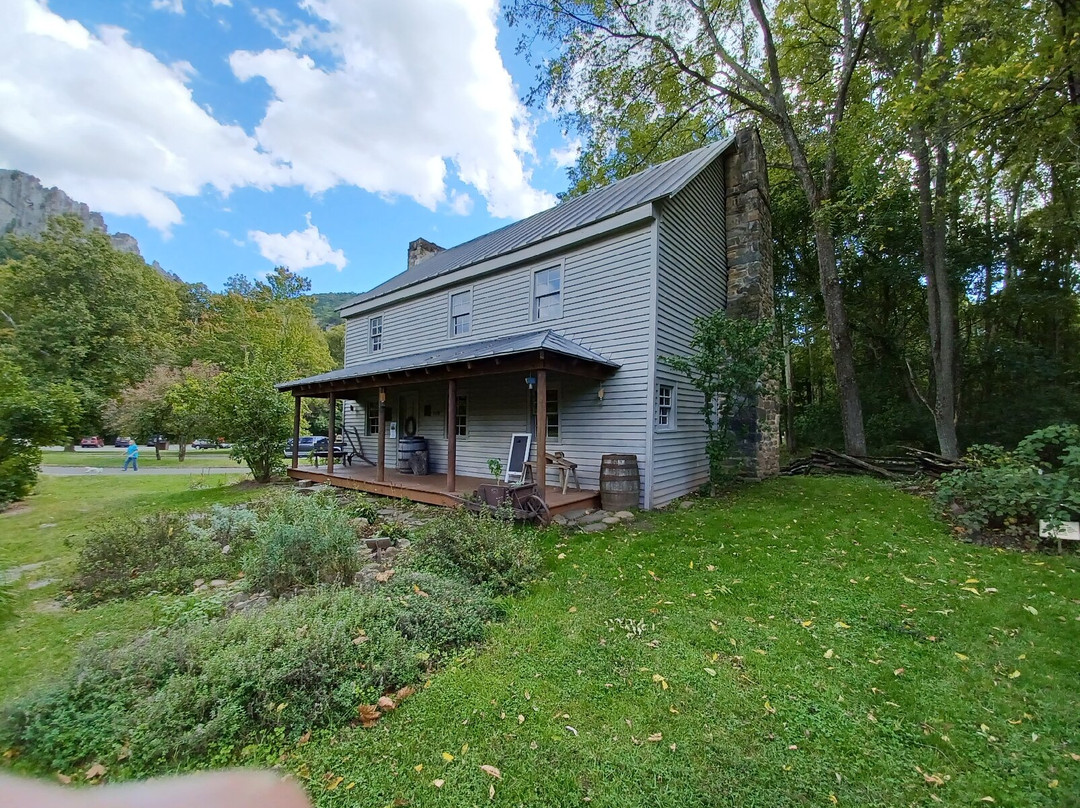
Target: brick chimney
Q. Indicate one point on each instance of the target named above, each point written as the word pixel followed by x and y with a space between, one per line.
pixel 421 249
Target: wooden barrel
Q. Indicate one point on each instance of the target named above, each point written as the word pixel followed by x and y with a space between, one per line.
pixel 406 447
pixel 620 482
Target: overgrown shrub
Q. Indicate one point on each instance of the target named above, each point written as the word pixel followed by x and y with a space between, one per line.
pixel 479 549
pixel 199 690
pixel 302 541
pixel 165 552
pixel 1009 492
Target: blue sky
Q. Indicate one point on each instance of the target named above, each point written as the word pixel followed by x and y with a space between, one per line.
pixel 229 136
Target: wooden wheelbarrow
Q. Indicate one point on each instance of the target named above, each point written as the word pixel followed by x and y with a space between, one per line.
pixel 521 499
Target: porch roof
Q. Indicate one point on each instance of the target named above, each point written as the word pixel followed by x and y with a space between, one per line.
pixel 534 351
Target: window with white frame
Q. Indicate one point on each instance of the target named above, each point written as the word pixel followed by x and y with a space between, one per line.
pixel 461 313
pixel 547 294
pixel 372 413
pixel 461 421
pixel 552 413
pixel 375 327
pixel 665 406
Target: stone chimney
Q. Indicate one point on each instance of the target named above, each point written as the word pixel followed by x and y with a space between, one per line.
pixel 750 281
pixel 421 249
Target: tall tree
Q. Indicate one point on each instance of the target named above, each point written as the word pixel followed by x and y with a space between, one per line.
pixel 724 57
pixel 81 312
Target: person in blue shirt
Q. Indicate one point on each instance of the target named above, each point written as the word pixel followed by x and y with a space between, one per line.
pixel 132 456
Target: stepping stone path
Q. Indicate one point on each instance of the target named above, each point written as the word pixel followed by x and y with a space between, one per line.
pixel 592 521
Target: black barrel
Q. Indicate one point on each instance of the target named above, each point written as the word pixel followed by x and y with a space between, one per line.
pixel 620 482
pixel 406 447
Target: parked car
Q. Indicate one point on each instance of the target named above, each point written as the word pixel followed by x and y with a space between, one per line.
pixel 204 443
pixel 322 443
pixel 307 443
pixel 122 443
pixel 156 440
pixel 93 442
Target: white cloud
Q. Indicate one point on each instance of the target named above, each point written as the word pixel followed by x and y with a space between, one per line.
pixel 298 249
pixel 109 123
pixel 566 155
pixel 390 97
pixel 174 6
pixel 394 98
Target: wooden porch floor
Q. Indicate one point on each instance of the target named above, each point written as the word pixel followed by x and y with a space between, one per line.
pixel 431 488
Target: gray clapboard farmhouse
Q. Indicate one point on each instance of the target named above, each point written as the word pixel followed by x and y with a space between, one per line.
pixel 556 326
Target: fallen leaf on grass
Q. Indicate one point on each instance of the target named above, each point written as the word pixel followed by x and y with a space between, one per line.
pixel 829 654
pixel 438 783
pixel 492 771
pixel 987 799
pixel 1032 609
pixel 932 779
pixel 420 591
pixel 384 576
pixel 898 672
pixel 304 738
pixel 386 704
pixel 95 771
pixel 369 715
pixel 447 757
pixel 571 729
pixel 419 767
pixel 1014 674
pixel 521 718
pixel 841 624
pixel 656 737
pixel 710 671
pixel 572 610
pixel 660 680
pixel 63 778
pixel 333 784
pixel 404 693
pixel 360 638
pixel 491 791
pixel 960 656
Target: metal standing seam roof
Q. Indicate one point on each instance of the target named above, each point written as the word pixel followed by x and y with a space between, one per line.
pixel 485 349
pixel 654 183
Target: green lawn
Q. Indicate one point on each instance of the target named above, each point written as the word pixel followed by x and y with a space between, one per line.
pixel 807 641
pixel 46 529
pixel 114 458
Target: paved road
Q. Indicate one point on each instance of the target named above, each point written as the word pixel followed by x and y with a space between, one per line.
pixel 86 471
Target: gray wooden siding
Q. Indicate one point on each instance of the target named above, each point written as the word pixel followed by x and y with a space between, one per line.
pixel 691 282
pixel 607 307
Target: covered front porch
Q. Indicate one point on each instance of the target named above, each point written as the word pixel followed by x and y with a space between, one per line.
pixel 431 489
pixel 434 382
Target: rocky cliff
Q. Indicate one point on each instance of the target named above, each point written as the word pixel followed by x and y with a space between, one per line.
pixel 26 207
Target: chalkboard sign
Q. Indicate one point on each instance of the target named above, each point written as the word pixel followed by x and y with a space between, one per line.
pixel 519 453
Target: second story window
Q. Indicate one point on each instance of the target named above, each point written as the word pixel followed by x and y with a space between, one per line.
pixel 547 294
pixel 376 334
pixel 461 313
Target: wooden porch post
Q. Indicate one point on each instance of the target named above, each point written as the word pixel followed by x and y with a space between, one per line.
pixel 541 431
pixel 296 432
pixel 380 469
pixel 333 432
pixel 451 435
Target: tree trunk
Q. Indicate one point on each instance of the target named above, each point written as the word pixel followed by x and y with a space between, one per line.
pixel 940 301
pixel 843 354
pixel 181 447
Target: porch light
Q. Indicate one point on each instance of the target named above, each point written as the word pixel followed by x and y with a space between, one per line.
pixel 600 393
pixel 531 381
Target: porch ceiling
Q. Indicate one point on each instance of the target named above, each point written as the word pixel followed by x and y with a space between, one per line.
pixel 545 350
